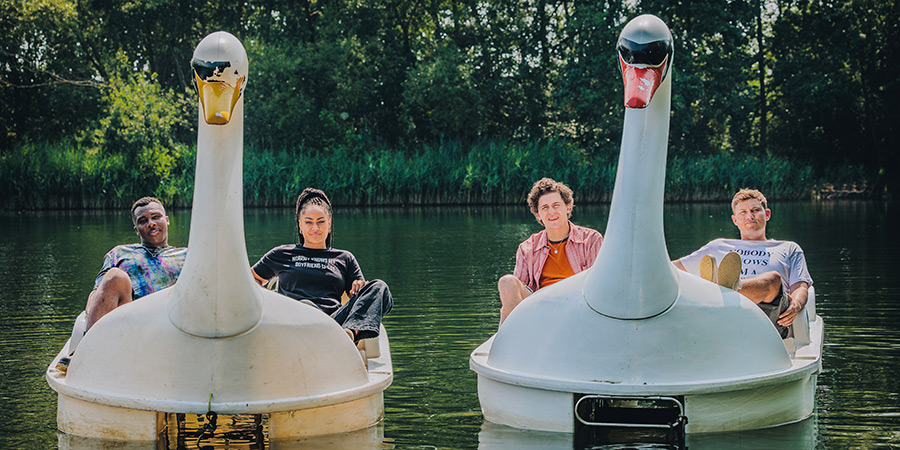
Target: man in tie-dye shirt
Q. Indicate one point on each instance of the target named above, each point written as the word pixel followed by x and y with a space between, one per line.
pixel 132 271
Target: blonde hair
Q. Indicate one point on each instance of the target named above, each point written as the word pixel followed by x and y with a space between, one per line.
pixel 747 194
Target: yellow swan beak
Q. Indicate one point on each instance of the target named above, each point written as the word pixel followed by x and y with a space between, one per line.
pixel 218 99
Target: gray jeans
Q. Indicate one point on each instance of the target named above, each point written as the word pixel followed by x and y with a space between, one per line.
pixel 774 309
pixel 364 311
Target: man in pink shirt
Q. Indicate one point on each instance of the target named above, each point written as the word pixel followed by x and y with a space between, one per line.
pixel 559 251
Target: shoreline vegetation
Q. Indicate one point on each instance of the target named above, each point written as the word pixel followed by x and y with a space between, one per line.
pixel 67 175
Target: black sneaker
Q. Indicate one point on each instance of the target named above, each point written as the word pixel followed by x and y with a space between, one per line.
pixel 63 365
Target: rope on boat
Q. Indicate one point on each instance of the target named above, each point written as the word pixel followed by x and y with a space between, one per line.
pixel 211 418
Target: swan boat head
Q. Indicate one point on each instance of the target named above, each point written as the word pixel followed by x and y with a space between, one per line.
pixel 220 74
pixel 645 51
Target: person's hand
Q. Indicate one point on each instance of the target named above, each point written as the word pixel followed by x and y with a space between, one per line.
pixel 356 286
pixel 787 317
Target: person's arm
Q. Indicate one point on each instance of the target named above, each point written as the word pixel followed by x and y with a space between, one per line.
pixel 259 280
pixel 798 297
pixel 693 259
pixel 263 271
pixel 523 267
pixel 356 286
pixel 799 289
pixel 595 241
pixel 354 273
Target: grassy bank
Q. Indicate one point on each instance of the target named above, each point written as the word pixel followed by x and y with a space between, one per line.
pixel 65 175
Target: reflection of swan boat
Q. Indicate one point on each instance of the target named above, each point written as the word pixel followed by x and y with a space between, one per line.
pixel 795 436
pixel 371 437
pixel 215 341
pixel 633 341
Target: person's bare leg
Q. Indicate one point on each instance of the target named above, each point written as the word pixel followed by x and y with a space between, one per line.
pixel 114 291
pixel 512 292
pixel 762 288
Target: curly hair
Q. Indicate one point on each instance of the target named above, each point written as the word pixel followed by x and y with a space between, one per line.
pixel 546 186
pixel 312 196
pixel 747 194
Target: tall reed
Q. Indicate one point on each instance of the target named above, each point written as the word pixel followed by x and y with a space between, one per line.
pixel 68 175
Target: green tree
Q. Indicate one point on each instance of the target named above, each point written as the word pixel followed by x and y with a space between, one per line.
pixel 47 85
pixel 144 126
pixel 835 83
pixel 446 79
pixel 713 102
pixel 588 97
pixel 342 76
pixel 440 100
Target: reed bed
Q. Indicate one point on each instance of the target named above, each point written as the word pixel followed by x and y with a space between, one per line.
pixel 67 175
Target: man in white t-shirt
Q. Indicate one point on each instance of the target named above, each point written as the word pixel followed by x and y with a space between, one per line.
pixel 773 274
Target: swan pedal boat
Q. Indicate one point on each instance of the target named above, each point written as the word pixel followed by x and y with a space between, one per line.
pixel 215 341
pixel 632 341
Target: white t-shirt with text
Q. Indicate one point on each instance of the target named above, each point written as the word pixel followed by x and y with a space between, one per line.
pixel 757 257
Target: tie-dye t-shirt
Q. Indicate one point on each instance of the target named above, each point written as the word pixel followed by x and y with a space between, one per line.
pixel 150 269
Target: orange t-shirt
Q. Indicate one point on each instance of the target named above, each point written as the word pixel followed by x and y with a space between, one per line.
pixel 557 266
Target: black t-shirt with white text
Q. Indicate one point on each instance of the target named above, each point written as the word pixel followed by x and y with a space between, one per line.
pixel 318 275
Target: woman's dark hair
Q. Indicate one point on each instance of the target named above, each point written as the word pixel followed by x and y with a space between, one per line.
pixel 312 196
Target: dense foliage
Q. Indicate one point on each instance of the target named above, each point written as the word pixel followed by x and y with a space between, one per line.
pixel 403 101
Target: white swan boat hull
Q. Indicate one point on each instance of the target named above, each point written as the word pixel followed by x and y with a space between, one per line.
pixel 522 399
pixel 251 373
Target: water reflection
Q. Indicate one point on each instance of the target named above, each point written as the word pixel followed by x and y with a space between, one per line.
pixel 372 437
pixel 801 435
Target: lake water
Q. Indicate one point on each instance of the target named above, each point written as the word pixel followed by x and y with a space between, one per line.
pixel 442 265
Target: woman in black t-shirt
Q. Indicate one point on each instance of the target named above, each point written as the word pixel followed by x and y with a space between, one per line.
pixel 315 273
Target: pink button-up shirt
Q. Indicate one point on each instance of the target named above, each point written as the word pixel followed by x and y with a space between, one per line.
pixel 581 250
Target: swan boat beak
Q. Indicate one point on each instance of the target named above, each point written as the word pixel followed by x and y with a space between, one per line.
pixel 640 83
pixel 645 60
pixel 219 87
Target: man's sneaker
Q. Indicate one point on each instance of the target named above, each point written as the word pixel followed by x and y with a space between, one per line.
pixel 708 268
pixel 730 271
